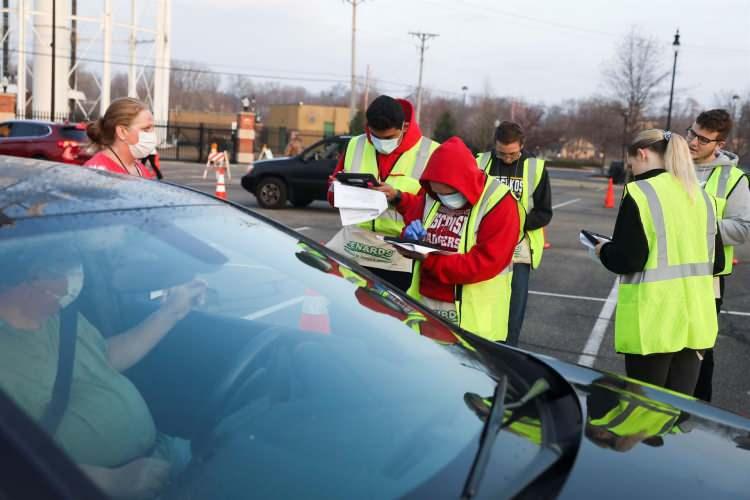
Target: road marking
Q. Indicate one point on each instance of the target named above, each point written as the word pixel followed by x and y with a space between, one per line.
pixel 566 296
pixel 735 313
pixel 273 309
pixel 303 228
pixel 569 202
pixel 594 343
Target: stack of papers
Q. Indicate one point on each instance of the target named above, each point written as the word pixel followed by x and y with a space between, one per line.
pixel 357 205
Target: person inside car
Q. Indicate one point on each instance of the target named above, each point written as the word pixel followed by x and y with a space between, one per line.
pixel 106 426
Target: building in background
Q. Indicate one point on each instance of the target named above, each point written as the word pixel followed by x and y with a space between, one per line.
pixel 311 123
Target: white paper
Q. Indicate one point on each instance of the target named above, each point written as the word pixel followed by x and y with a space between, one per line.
pixel 357 205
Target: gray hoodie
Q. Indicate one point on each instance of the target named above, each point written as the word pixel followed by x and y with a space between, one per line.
pixel 735 226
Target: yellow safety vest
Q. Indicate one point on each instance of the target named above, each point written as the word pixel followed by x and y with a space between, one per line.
pixel 532 176
pixel 361 158
pixel 720 184
pixel 482 308
pixel 669 305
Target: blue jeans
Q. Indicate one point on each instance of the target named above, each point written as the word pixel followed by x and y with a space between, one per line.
pixel 518 297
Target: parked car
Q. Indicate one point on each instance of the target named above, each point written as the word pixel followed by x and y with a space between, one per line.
pixel 62 142
pixel 299 374
pixel 617 172
pixel 300 179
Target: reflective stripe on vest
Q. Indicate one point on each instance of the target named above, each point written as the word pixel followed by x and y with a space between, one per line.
pixel 720 187
pixel 663 270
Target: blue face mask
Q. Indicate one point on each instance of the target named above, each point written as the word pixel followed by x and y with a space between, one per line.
pixel 454 200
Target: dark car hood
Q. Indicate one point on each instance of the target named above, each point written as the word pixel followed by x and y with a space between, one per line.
pixel 669 446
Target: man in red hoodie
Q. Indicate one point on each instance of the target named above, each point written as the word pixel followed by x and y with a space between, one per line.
pixel 477 220
pixel 393 150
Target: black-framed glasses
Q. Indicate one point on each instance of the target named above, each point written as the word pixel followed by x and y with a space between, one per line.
pixel 691 134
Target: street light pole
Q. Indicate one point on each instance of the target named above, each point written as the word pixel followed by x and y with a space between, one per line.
pixel 352 97
pixel 676 47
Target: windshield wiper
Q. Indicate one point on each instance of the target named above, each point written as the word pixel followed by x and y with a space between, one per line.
pixel 489 433
pixel 492 426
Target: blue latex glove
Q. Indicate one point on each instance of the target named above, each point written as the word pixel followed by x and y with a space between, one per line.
pixel 415 231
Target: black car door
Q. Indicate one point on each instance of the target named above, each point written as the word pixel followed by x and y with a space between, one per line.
pixel 310 178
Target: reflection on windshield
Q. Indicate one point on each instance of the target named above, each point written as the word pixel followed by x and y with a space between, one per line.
pixel 620 416
pixel 376 296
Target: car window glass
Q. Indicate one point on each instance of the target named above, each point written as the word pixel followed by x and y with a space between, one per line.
pixel 5 129
pixel 23 129
pixel 285 352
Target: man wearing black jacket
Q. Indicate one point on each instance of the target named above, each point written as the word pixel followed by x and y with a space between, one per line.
pixel 529 182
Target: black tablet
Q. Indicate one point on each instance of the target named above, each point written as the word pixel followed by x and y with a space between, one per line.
pixel 595 238
pixel 357 180
pixel 392 240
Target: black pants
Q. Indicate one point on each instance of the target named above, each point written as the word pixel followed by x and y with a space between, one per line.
pixel 677 371
pixel 398 279
pixel 704 387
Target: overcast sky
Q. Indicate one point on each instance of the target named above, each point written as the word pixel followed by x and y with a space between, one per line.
pixel 539 50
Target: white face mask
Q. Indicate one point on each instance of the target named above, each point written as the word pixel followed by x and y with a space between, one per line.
pixel 145 145
pixel 386 146
pixel 454 200
pixel 75 285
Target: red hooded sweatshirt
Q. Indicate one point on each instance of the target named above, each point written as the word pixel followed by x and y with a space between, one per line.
pixel 453 164
pixel 412 134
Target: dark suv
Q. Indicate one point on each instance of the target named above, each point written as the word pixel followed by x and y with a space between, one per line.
pixel 300 179
pixel 62 142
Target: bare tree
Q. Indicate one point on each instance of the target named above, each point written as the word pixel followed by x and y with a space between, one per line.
pixel 635 77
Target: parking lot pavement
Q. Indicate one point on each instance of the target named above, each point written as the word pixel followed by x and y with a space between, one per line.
pixel 568 315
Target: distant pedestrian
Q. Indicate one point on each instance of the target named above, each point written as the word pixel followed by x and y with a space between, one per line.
pixel 294 147
pixel 265 153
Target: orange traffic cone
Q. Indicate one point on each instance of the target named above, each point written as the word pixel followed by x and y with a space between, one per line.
pixel 221 188
pixel 609 199
pixel 546 243
pixel 314 317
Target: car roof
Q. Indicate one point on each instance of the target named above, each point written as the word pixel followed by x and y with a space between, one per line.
pixel 33 188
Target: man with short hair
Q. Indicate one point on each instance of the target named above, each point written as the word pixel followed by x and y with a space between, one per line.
pixel 394 151
pixel 529 183
pixel 718 173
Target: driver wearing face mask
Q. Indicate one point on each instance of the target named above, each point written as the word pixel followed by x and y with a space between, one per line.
pixel 106 426
pixel 477 222
pixel 123 136
pixel 393 150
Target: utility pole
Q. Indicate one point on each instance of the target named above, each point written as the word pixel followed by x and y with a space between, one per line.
pixel 352 97
pixel 423 37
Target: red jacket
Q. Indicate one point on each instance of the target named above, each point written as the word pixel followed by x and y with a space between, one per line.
pixel 412 134
pixel 453 164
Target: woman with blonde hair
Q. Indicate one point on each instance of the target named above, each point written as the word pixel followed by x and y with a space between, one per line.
pixel 123 136
pixel 666 248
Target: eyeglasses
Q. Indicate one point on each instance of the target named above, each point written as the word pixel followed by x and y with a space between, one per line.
pixel 701 139
pixel 508 156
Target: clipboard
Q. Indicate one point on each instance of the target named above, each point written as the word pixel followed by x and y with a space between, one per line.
pixel 417 246
pixel 593 238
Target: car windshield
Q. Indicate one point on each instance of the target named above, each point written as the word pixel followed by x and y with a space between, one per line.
pixel 74 134
pixel 250 361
